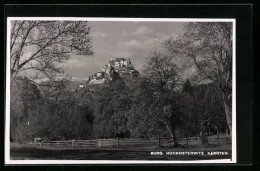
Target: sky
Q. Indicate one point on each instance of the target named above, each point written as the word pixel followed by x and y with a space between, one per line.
pixel 128 39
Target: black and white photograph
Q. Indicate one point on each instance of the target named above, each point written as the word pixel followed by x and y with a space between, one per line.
pixel 120 90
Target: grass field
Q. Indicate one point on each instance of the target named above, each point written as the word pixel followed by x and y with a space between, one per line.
pixel 129 149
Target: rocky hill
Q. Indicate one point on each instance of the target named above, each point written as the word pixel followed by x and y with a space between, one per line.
pixel 118 68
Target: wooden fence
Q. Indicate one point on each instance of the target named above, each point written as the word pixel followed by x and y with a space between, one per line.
pixel 131 143
pixel 80 143
pixel 191 141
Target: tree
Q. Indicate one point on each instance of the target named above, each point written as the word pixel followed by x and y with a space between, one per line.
pixel 161 78
pixel 208 47
pixel 43 46
pixel 121 103
pixel 173 116
pixel 118 123
pixel 142 122
pixel 40 48
pixel 25 98
pixel 55 89
pixel 190 126
pixel 213 110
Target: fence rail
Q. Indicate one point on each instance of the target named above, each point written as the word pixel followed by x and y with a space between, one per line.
pixel 126 143
pixel 79 143
pixel 191 141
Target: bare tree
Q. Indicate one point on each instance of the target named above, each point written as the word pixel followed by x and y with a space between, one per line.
pixel 208 47
pixel 42 46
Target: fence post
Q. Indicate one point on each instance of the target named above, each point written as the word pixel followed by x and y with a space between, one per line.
pixel 99 143
pixel 72 143
pixel 159 142
pixel 117 143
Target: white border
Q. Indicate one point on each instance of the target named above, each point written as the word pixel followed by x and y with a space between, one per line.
pixel 7 104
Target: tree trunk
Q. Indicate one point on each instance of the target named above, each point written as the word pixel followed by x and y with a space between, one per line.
pixel 115 134
pixel 17 128
pixel 172 133
pixel 169 130
pixel 174 138
pixel 228 112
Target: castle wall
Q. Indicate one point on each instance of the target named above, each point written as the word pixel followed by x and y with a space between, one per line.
pixel 119 65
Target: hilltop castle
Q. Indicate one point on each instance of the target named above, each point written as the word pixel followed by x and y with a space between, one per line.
pixel 118 66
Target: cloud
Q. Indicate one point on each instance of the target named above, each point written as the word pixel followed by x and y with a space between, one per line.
pixel 142 31
pixel 129 44
pixel 139 31
pixel 136 47
pixel 79 66
pixel 99 34
pixel 75 63
pixel 147 44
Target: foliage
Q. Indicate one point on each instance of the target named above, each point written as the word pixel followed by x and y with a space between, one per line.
pixel 208 47
pixel 41 48
pixel 155 93
pixel 32 116
pixel 151 104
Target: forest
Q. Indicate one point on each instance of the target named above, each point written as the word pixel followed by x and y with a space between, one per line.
pixel 159 102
